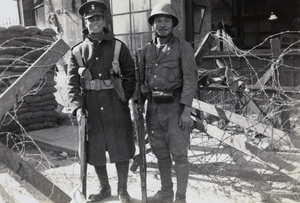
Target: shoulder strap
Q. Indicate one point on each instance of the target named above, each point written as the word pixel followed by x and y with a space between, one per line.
pixel 117 51
pixel 77 54
pixel 82 71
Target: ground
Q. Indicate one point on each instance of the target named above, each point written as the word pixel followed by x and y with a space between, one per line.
pixel 208 183
pixel 218 174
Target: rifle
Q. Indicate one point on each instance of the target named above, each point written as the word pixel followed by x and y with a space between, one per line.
pixel 140 121
pixel 137 159
pixel 141 133
pixel 83 137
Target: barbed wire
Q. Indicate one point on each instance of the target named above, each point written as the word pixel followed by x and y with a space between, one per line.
pixel 209 156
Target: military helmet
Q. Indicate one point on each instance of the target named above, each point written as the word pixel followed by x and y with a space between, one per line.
pixel 163 9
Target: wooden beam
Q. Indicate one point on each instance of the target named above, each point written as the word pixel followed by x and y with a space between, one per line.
pixel 285 89
pixel 204 47
pixel 275 48
pixel 245 99
pixel 271 159
pixel 32 75
pixel 31 175
pixel 245 122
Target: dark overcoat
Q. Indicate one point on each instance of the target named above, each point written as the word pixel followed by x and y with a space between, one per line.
pixel 109 120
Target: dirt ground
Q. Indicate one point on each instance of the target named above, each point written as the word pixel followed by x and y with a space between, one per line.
pixel 218 174
pixel 208 182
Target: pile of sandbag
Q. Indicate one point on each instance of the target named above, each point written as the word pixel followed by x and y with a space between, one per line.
pixel 20 47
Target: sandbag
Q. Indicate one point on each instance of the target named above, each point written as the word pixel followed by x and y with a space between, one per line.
pixel 38 114
pixel 12 50
pixel 31 30
pixel 48 32
pixel 21 69
pixel 34 44
pixel 25 116
pixel 34 54
pixel 51 114
pixel 14 43
pixel 6 59
pixel 42 39
pixel 20 28
pixel 43 103
pixel 49 124
pixel 46 90
pixel 34 126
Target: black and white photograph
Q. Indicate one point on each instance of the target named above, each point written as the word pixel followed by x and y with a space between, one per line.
pixel 150 101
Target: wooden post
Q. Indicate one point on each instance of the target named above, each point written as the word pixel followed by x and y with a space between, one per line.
pixel 245 99
pixel 203 48
pixel 32 75
pixel 284 112
pixel 31 175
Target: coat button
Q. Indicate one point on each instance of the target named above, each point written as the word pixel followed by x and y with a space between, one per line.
pixel 100 74
pixel 155 76
pixel 156 64
pixel 101 108
pixel 96 58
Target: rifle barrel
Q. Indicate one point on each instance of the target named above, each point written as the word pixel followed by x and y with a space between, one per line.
pixel 141 133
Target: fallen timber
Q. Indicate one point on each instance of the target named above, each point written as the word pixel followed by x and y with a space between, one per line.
pixel 18 165
pixel 261 128
pixel 268 158
pixel 8 99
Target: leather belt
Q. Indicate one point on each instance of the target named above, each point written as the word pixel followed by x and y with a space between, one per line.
pixel 98 84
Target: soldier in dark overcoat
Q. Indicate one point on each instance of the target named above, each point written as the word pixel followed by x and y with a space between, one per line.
pixel 109 120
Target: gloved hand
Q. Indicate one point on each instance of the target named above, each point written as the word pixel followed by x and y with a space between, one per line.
pixel 146 92
pixel 78 114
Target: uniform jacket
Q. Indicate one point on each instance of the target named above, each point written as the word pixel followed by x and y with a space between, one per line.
pixel 173 68
pixel 109 120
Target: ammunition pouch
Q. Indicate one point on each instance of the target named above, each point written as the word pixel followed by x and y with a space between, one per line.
pixel 163 96
pixel 116 78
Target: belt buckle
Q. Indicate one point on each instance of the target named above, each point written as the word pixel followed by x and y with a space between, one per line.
pixel 93 85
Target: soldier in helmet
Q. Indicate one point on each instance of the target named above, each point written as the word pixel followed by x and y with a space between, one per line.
pixel 105 107
pixel 168 77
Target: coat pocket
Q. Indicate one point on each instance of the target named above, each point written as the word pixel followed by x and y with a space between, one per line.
pixel 171 71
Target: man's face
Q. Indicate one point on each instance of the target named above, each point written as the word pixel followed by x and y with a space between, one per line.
pixel 95 24
pixel 163 25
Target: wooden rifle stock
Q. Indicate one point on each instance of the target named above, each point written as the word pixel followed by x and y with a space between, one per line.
pixel 141 133
pixel 83 140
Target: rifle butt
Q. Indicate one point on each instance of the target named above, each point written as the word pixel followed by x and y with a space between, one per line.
pixel 82 152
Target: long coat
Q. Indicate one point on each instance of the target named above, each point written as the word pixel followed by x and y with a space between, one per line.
pixel 109 120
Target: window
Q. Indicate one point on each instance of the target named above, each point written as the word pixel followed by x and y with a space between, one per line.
pixel 198 13
pixel 130 21
pixel 9 14
pixel 39 13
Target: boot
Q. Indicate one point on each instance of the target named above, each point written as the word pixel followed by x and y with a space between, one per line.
pixel 166 193
pixel 180 198
pixel 161 197
pixel 105 190
pixel 122 170
pixel 123 196
pixel 182 176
